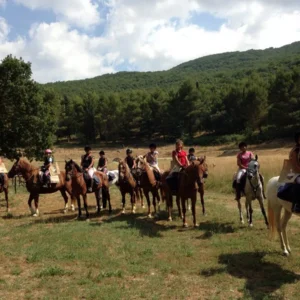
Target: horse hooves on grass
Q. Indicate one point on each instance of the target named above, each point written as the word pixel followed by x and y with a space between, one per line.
pixel 88 220
pixel 149 216
pixel 35 215
pixel 251 225
pixel 286 253
pixel 185 225
pixel 196 225
pixel 143 206
pixel 170 219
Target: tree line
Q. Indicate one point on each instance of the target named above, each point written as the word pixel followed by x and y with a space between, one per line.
pixel 33 116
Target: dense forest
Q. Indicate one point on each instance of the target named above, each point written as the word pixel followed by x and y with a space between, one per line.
pixel 218 98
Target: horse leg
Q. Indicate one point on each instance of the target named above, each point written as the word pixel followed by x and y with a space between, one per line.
pixel 154 195
pixel 262 208
pixel 86 206
pixel 193 200
pixel 123 203
pixel 36 204
pixel 240 211
pixel 6 199
pixel 179 206
pixel 29 204
pixel 79 206
pixel 286 217
pixel 202 199
pixel 142 198
pixel 98 195
pixel 64 194
pixel 250 212
pixel 183 203
pixel 188 204
pixel 146 193
pixel 278 222
pixel 107 195
pixel 132 198
pixel 170 206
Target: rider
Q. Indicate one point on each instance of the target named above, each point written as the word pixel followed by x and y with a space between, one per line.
pixel 191 156
pixel 130 161
pixel 87 163
pixel 102 163
pixel 48 161
pixel 179 160
pixel 2 172
pixel 295 160
pixel 152 160
pixel 243 159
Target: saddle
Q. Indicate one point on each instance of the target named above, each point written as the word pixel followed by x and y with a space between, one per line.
pixel 290 192
pixel 87 178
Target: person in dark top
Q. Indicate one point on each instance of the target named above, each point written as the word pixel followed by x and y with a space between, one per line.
pixel 130 160
pixel 48 161
pixel 191 156
pixel 102 163
pixel 87 163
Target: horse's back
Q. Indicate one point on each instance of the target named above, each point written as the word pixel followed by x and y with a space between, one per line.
pixel 272 188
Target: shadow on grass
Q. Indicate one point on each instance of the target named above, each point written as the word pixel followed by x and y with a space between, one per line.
pixel 263 278
pixel 147 227
pixel 212 228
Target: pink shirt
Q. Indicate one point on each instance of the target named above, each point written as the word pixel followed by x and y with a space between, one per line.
pixel 245 158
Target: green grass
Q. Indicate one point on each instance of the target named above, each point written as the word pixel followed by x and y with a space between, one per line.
pixel 132 257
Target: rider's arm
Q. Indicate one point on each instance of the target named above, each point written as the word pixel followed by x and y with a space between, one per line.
pixel 134 164
pixel 92 163
pixel 106 162
pixel 295 162
pixel 175 159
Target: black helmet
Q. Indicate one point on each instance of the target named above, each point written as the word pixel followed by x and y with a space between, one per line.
pixel 102 152
pixel 87 148
pixel 297 135
pixel 152 145
pixel 192 150
pixel 242 144
pixel 128 151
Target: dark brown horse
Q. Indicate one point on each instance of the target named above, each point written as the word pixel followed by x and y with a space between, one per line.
pixel 4 189
pixel 148 183
pixel 189 182
pixel 75 175
pixel 35 186
pixel 127 185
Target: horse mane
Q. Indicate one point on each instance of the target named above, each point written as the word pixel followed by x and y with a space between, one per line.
pixel 77 167
pixel 127 173
pixel 148 170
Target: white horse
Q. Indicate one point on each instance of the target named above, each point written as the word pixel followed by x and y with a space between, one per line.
pixel 275 206
pixel 253 190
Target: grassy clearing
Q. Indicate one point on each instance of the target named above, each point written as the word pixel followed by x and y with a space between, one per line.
pixel 132 257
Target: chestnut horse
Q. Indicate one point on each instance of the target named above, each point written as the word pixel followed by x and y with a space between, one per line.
pixel 35 186
pixel 4 188
pixel 75 174
pixel 190 180
pixel 148 183
pixel 127 185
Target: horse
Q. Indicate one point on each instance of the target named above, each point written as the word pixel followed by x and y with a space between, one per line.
pixel 35 187
pixel 148 183
pixel 253 190
pixel 75 174
pixel 190 181
pixel 113 177
pixel 127 185
pixel 275 207
pixel 4 189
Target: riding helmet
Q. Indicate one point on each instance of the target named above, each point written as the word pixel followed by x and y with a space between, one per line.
pixel 87 148
pixel 48 151
pixel 128 151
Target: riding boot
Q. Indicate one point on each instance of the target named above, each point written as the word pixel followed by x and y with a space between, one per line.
pixel 295 199
pixel 263 185
pixel 91 183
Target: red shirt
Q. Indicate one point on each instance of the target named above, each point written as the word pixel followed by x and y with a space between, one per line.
pixel 181 157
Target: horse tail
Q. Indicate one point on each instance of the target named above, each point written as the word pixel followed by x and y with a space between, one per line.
pixel 271 219
pixel 272 197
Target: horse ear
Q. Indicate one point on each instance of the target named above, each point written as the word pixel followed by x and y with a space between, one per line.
pixel 256 157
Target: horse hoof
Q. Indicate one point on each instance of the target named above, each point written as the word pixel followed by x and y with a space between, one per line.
pixel 143 206
pixel 88 220
pixel 242 222
pixel 185 225
pixel 286 253
pixel 170 219
pixel 189 208
pixel 123 212
pixel 73 208
pixel 196 225
pixel 149 216
pixel 251 225
pixel 35 215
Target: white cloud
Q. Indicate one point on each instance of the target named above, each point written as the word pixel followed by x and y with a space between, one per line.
pixel 82 13
pixel 2 3
pixel 149 35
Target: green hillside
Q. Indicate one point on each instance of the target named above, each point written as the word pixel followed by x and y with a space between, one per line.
pixel 213 69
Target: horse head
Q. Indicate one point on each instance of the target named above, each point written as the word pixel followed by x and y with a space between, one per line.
pixel 140 165
pixel 203 166
pixel 69 169
pixel 253 168
pixel 15 169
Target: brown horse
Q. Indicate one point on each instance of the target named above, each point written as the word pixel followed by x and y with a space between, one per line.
pixel 190 180
pixel 35 186
pixel 148 183
pixel 79 188
pixel 4 188
pixel 127 185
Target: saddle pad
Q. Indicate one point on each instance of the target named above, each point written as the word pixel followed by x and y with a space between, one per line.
pixel 54 178
pixel 96 180
pixel 3 168
pixel 286 191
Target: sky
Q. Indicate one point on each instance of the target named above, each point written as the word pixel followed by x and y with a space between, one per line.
pixel 77 39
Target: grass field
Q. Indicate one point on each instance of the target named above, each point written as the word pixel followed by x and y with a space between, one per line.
pixel 133 257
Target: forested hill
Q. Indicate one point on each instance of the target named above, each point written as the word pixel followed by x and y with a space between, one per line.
pixel 213 69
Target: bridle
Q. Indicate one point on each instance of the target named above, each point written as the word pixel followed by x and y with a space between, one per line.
pixel 252 173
